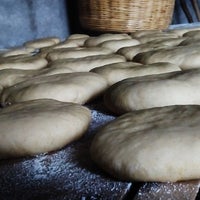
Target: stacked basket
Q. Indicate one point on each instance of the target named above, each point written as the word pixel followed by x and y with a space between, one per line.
pixel 125 15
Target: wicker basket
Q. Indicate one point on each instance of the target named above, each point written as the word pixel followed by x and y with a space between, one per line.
pixel 125 15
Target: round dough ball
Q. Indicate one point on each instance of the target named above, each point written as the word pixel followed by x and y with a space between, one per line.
pixel 77 87
pixel 159 144
pixel 174 88
pixel 42 42
pixel 40 126
pixel 115 45
pixel 18 51
pixel 95 41
pixel 85 64
pixel 25 62
pixel 78 52
pixel 116 72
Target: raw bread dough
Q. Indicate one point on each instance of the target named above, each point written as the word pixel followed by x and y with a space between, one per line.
pixel 190 41
pixel 78 53
pixel 22 62
pixel 171 42
pixel 94 41
pixel 175 88
pixel 181 31
pixel 130 52
pixel 77 36
pixel 115 45
pixel 40 126
pixel 159 144
pixel 187 57
pixel 160 35
pixel 69 87
pixel 9 77
pixel 116 72
pixel 141 33
pixel 87 63
pixel 195 34
pixel 60 48
pixel 42 42
pixel 18 51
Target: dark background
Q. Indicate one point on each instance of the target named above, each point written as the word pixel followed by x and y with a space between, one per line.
pixel 22 20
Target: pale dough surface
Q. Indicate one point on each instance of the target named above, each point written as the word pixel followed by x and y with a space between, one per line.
pixel 131 52
pixel 182 31
pixel 40 126
pixel 116 72
pixel 78 53
pixel 10 77
pixel 42 42
pixel 26 62
pixel 141 33
pixel 159 35
pixel 186 57
pixel 77 87
pixel 174 88
pixel 115 45
pixel 94 41
pixel 159 144
pixel 87 63
pixel 18 51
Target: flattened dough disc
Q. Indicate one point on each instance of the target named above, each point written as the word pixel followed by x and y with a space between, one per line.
pixel 158 144
pixel 77 87
pixel 40 126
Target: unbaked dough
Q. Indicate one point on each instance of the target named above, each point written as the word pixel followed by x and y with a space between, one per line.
pixel 42 42
pixel 95 41
pixel 115 45
pixel 86 63
pixel 22 62
pixel 77 87
pixel 131 52
pixel 159 35
pixel 159 144
pixel 140 33
pixel 187 57
pixel 18 51
pixel 174 88
pixel 40 126
pixel 9 77
pixel 116 72
pixel 78 53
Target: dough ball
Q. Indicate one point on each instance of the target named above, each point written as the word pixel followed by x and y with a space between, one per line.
pixel 187 57
pixel 23 62
pixel 69 87
pixel 9 77
pixel 18 51
pixel 130 52
pixel 116 72
pixel 159 144
pixel 78 53
pixel 115 45
pixel 42 42
pixel 85 64
pixel 174 88
pixel 95 41
pixel 40 126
